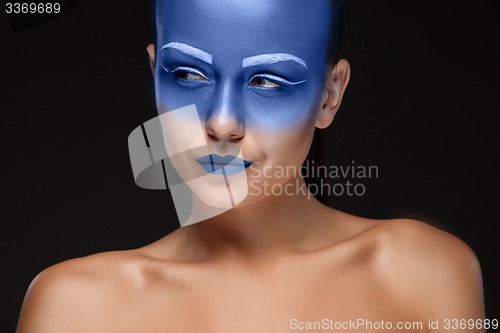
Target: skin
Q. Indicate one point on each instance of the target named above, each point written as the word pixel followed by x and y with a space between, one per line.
pixel 272 258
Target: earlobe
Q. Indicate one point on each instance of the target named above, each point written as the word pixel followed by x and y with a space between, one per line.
pixel 151 52
pixel 336 83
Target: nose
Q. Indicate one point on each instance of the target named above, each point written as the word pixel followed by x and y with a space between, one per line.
pixel 224 122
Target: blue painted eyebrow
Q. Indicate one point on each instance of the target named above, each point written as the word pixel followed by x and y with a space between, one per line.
pixel 190 51
pixel 271 58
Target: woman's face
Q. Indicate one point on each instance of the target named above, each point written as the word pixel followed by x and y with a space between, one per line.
pixel 254 69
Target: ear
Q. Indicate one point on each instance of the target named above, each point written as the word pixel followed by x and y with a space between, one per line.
pixel 151 52
pixel 336 83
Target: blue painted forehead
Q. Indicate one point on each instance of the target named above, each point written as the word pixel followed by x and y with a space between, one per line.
pixel 247 27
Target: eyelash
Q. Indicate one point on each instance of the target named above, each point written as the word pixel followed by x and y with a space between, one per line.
pixel 281 82
pixel 186 70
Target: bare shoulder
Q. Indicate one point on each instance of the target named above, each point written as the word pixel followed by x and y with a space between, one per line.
pixel 406 243
pixel 65 296
pixel 435 270
pixel 416 245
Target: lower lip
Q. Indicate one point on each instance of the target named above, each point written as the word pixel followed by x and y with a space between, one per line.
pixel 224 170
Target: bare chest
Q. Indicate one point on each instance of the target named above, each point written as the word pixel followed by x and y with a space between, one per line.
pixel 304 302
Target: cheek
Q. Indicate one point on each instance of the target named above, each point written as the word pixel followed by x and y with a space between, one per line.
pixel 287 112
pixel 291 111
pixel 286 147
pixel 280 157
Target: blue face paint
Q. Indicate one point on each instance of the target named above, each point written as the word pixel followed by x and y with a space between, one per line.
pixel 261 61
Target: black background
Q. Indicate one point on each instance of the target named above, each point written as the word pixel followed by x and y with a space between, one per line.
pixel 421 106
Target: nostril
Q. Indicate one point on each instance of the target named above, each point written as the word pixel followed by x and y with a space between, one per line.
pixel 223 137
pixel 211 133
pixel 235 136
pixel 224 128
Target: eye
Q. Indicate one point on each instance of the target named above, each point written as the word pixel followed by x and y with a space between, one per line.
pixel 184 75
pixel 187 74
pixel 263 82
pixel 269 81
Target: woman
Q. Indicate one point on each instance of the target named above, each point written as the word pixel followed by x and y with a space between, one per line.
pixel 262 74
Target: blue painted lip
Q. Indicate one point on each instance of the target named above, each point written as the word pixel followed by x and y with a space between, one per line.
pixel 223 165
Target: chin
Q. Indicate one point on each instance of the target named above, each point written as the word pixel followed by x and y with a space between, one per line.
pixel 220 191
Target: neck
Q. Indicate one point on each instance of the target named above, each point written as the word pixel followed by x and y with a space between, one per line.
pixel 271 225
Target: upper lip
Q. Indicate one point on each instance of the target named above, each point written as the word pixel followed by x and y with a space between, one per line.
pixel 219 160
